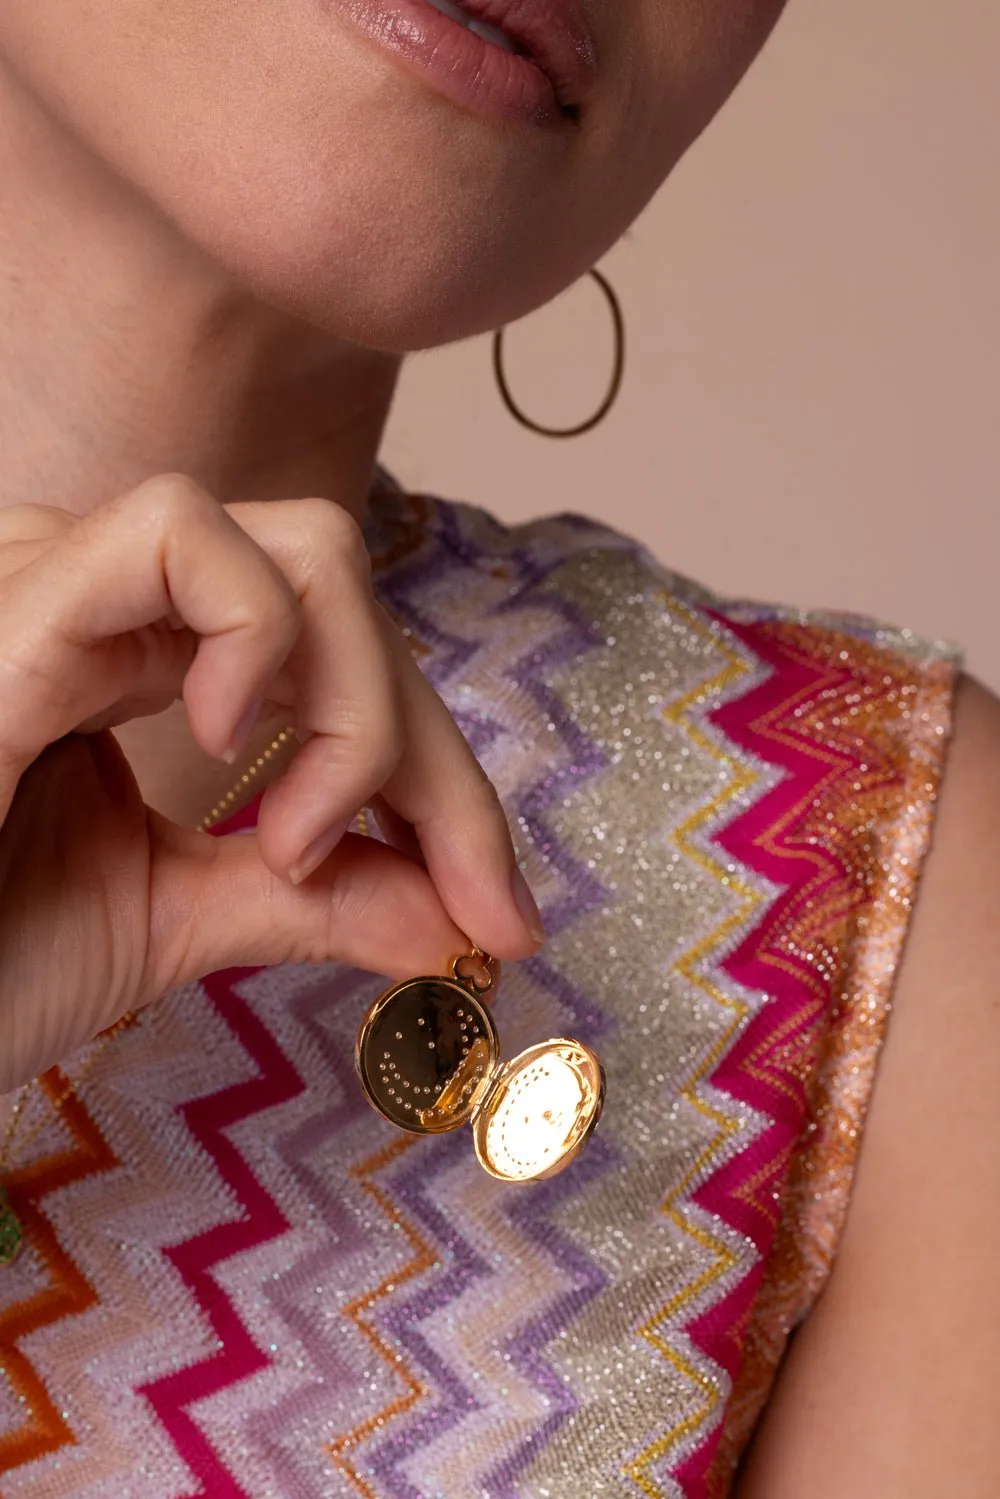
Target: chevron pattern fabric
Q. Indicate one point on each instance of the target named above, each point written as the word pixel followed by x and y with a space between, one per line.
pixel 238 1282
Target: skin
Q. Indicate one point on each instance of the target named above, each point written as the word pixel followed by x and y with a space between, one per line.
pixel 221 226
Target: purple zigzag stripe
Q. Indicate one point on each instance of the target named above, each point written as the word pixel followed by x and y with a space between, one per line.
pixel 343 1234
pixel 478 731
pixel 464 1268
pixel 525 1347
pixel 238 1356
pixel 531 1215
pixel 452 550
pixel 461 1267
pixel 451 656
pixel 306 1141
pixel 309 1138
pixel 583 891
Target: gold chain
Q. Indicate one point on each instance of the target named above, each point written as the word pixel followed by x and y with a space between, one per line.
pixel 219 811
pixel 247 779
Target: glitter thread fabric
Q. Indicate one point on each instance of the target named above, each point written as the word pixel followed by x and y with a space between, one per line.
pixel 237 1280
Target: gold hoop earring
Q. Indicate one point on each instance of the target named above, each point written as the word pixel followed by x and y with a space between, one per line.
pixel 617 373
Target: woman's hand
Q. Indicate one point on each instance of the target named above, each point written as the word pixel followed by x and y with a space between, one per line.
pixel 104 904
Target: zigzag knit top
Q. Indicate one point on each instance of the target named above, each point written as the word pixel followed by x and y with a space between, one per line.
pixel 238 1281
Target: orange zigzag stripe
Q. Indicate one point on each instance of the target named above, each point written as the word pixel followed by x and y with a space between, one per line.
pixel 69 1292
pixel 423 1259
pixel 891 778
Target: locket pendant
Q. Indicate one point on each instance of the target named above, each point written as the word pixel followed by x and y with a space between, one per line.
pixel 428 1056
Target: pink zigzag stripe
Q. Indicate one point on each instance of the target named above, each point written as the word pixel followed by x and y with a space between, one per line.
pixel 238 1356
pixel 712 1332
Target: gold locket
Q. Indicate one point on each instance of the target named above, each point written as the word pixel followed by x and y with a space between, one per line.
pixel 428 1056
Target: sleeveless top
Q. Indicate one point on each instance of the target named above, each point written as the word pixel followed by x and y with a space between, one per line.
pixel 238 1280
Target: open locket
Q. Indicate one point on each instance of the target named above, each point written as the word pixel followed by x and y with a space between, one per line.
pixel 428 1055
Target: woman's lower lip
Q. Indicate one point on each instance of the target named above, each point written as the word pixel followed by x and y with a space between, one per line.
pixel 456 62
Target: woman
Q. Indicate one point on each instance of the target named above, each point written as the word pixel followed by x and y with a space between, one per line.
pixel 221 227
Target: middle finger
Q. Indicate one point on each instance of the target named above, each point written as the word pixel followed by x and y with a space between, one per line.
pixel 341 678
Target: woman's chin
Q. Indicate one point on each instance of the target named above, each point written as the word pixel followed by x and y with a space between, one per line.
pixel 398 289
pixel 387 237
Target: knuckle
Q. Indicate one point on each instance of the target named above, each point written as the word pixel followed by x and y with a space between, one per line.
pixel 388 731
pixel 280 618
pixel 167 497
pixel 270 615
pixel 278 603
pixel 385 751
pixel 287 604
pixel 334 534
pixel 349 906
pixel 377 740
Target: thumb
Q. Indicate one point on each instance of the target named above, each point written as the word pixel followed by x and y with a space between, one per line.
pixel 214 904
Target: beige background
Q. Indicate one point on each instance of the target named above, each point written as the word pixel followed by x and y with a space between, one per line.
pixel 811 405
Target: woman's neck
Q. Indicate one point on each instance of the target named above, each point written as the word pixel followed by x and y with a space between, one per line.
pixel 125 352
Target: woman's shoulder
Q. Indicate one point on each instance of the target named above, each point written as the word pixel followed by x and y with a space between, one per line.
pixel 911 1303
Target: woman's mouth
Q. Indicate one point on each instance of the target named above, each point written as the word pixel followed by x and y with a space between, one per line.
pixel 531 61
pixel 481 28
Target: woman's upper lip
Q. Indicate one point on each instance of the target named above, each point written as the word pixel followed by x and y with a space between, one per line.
pixel 554 34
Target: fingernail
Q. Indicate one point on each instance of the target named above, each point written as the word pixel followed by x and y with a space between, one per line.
pixel 243 730
pixel 318 850
pixel 525 902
